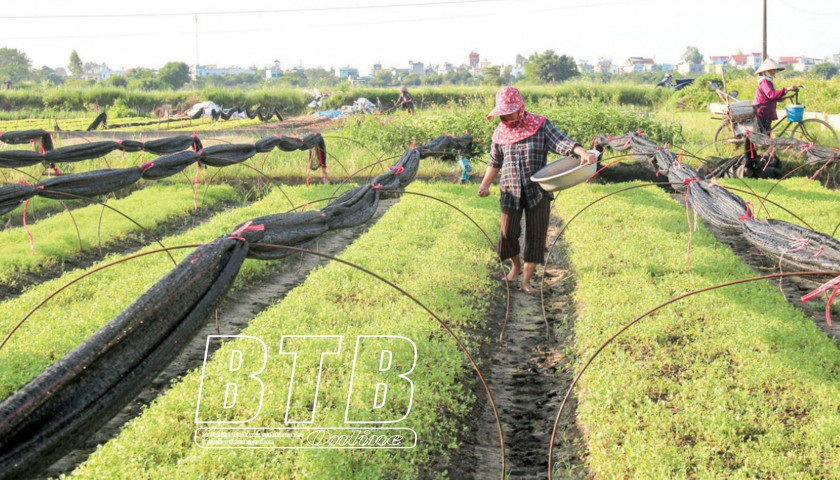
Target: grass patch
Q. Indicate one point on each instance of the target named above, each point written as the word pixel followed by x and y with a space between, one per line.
pixel 733 383
pixel 56 238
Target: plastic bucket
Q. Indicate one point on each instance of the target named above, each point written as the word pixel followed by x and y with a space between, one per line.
pixel 795 113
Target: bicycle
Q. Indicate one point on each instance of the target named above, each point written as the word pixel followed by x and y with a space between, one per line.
pixel 739 118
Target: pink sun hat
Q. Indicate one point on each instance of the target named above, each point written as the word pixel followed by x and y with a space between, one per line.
pixel 508 100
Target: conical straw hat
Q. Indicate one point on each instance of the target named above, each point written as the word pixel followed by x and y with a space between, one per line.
pixel 767 65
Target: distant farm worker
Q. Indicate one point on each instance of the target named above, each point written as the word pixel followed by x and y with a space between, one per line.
pixel 766 96
pixel 406 100
pixel 520 147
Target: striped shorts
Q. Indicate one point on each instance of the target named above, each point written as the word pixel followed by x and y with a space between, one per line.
pixel 536 231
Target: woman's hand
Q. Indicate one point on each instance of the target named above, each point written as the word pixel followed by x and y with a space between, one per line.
pixel 483 190
pixel 589 158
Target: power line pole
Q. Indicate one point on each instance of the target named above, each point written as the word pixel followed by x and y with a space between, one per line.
pixel 196 44
pixel 764 47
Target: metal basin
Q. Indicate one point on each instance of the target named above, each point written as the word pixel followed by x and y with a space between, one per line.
pixel 564 173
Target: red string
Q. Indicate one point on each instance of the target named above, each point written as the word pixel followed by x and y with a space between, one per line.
pixel 804 148
pixel 818 171
pixel 834 282
pixel 689 180
pixel 412 145
pixel 25 227
pixel 376 187
pixel 820 252
pixel 40 147
pixel 148 165
pixel 748 215
pixel 398 169
pixel 248 227
pixel 195 182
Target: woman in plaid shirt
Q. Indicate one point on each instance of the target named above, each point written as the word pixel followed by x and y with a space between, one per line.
pixel 520 147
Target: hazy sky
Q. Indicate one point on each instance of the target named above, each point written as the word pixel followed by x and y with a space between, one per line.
pixel 144 33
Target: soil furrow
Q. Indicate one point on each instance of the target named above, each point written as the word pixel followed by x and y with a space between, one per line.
pixel 528 373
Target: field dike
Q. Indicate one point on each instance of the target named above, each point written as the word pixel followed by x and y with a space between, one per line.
pixel 239 307
pixel 528 374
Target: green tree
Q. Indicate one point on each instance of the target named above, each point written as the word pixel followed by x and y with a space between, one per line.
pixel 457 78
pixel 174 74
pixel 825 70
pixel 116 81
pixel 383 79
pixel 692 55
pixel 520 60
pixel 433 79
pixel 75 66
pixel 14 64
pixel 548 67
pixel 295 78
pixel 412 79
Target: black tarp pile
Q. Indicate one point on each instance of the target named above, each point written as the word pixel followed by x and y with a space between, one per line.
pixel 101 182
pixel 264 116
pixel 794 248
pixel 463 145
pixel 70 400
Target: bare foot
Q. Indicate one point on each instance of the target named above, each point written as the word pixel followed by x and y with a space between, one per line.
pixel 526 286
pixel 512 276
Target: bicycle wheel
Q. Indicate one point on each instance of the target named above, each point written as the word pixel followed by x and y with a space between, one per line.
pixel 817 132
pixel 727 145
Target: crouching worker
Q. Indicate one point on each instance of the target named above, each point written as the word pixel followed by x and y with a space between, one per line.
pixel 519 149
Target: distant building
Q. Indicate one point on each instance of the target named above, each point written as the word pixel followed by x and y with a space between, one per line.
pixel 445 68
pixel 584 67
pixel 472 59
pixel 666 67
pixel 638 65
pixel 417 67
pixel 345 72
pixel 690 68
pixel 273 71
pixel 517 71
pixel 603 65
pixel 804 64
pixel 785 61
pixel 374 71
pixel 101 72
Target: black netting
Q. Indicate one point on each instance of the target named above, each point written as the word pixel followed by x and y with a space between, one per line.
pixel 226 155
pixel 445 143
pixel 88 184
pixel 717 206
pixel 26 136
pixel 13 195
pixel 169 165
pixel 79 393
pixel 295 229
pixel 19 158
pixel 82 151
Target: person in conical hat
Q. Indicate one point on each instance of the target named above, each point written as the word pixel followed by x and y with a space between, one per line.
pixel 519 148
pixel 766 95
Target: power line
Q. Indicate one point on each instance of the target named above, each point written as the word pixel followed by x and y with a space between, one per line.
pixel 249 12
pixel 808 12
